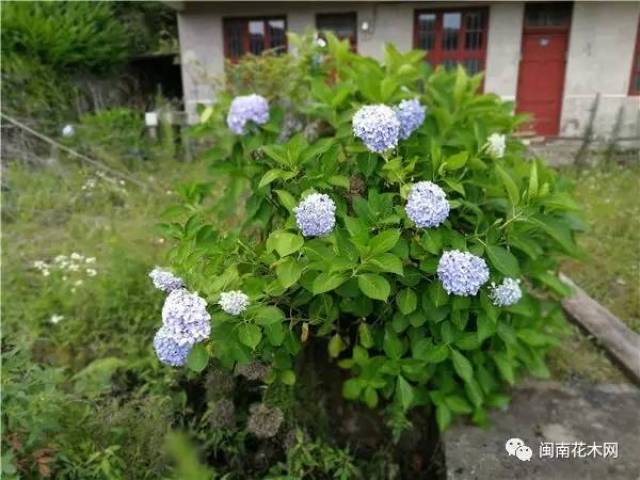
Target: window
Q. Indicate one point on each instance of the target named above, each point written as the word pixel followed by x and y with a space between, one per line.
pixel 453 37
pixel 547 15
pixel 342 25
pixel 634 87
pixel 253 35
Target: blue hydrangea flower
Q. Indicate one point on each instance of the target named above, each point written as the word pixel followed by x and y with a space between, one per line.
pixel 411 115
pixel 185 317
pixel 462 273
pixel 165 280
pixel 316 215
pixel 234 302
pixel 377 126
pixel 507 293
pixel 496 145
pixel 254 108
pixel 168 350
pixel 427 205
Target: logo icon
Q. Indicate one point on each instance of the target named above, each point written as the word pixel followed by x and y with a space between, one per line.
pixel 516 446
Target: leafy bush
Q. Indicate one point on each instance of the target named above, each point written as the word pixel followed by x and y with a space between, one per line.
pixel 64 35
pixel 372 288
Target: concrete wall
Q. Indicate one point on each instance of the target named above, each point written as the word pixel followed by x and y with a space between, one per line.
pixel 599 60
pixel 503 49
pixel 601 45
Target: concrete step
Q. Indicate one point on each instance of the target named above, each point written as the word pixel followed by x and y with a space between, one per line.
pixel 545 413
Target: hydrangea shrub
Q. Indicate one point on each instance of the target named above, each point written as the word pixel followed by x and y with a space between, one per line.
pixel 401 225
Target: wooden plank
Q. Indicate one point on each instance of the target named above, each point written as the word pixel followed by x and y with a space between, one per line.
pixel 620 341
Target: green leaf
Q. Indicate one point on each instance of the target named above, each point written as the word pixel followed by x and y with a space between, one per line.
pixel 443 416
pixel 533 337
pixel 509 185
pixel 249 334
pixel 461 365
pixel 270 176
pixel 392 345
pixel 555 284
pixel 286 199
pixel 351 388
pixel 268 315
pixel 366 339
pixel 374 286
pixel 277 153
pixel 384 241
pixel 387 262
pixel 503 260
pixel 370 397
pixel 326 282
pixel 288 377
pixel 407 301
pixel 404 392
pixel 532 192
pixel 437 294
pixel 284 243
pixel 457 161
pixel 289 272
pixel 336 346
pixel 457 404
pixel 505 367
pixel 198 357
pixel 557 230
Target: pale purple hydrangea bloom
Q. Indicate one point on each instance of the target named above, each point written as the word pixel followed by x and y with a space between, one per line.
pixel 377 126
pixel 168 350
pixel 462 273
pixel 234 302
pixel 507 293
pixel 185 317
pixel 165 280
pixel 316 215
pixel 243 109
pixel 496 145
pixel 411 115
pixel 427 205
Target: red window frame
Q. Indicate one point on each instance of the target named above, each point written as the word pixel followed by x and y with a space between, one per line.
pixel 330 17
pixel 243 23
pixel 438 55
pixel 634 83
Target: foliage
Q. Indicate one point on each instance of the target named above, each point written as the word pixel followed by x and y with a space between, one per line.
pixel 64 35
pixel 369 290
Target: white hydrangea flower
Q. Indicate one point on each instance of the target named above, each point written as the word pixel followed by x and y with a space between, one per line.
pixel 233 302
pixel 507 293
pixel 496 145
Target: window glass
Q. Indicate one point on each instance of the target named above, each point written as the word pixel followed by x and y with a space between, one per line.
pixel 450 30
pixel 342 25
pixel 426 30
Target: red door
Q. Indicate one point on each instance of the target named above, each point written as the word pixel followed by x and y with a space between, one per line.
pixel 542 66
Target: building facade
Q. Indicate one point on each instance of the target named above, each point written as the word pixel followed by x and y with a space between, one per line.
pixel 574 66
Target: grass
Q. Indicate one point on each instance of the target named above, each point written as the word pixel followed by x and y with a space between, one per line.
pixel 611 275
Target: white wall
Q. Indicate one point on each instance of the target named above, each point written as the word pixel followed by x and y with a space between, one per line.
pixel 503 49
pixel 601 46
